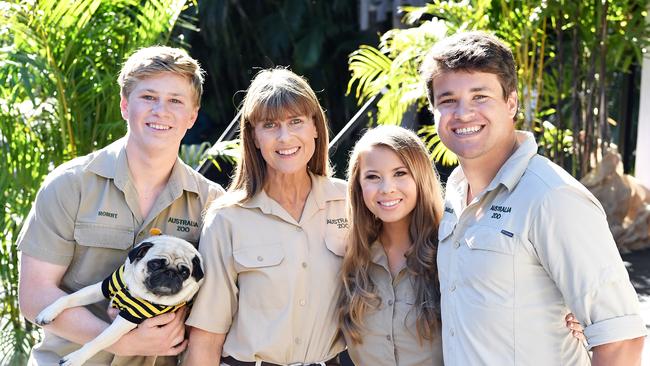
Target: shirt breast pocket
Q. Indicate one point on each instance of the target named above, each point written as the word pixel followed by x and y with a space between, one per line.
pixel 487 266
pixel 261 277
pixel 100 250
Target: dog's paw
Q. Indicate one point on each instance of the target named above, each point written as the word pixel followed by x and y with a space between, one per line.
pixel 47 315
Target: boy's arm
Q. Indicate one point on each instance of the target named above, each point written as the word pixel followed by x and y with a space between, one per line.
pixel 38 287
pixel 204 348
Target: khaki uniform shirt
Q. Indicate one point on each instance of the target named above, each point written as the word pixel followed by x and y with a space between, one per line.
pixel 532 247
pixel 86 217
pixel 389 333
pixel 271 282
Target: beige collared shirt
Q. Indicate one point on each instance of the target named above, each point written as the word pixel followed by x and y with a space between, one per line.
pixel 86 217
pixel 532 247
pixel 271 282
pixel 389 333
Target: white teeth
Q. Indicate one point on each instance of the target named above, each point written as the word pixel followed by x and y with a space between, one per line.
pixel 288 151
pixel 468 130
pixel 157 126
pixel 389 203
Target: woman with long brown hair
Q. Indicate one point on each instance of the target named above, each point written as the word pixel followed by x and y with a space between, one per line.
pixel 272 244
pixel 389 302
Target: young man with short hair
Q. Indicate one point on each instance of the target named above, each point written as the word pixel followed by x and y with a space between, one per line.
pixel 522 243
pixel 91 210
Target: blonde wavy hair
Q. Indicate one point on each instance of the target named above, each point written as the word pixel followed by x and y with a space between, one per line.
pixel 358 294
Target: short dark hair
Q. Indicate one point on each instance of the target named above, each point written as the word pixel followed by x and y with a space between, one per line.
pixel 470 52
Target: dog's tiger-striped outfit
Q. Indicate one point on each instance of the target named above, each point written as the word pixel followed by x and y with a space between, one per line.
pixel 133 309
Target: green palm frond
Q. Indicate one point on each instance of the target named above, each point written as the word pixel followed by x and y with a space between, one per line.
pixel 228 151
pixel 369 68
pixel 393 70
pixel 439 152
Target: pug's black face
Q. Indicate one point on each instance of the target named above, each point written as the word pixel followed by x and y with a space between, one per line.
pixel 165 279
pixel 164 269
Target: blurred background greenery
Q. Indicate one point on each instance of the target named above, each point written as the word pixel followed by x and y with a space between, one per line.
pixel 578 61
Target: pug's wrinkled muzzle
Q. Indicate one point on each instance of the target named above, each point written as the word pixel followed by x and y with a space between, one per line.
pixel 164 282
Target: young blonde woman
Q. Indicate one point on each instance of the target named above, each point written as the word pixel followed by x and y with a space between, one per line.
pixel 389 304
pixel 272 245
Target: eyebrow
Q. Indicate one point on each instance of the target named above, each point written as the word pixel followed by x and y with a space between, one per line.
pixel 157 92
pixel 377 171
pixel 472 90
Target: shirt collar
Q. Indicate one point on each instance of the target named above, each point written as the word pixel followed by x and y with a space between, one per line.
pixel 378 255
pixel 323 189
pixel 111 162
pixel 510 172
pixel 513 169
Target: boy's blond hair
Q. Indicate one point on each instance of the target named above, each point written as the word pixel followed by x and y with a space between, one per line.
pixel 151 61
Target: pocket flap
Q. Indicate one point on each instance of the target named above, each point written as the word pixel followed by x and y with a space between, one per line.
pixel 259 256
pixel 336 244
pixel 445 229
pixel 102 236
pixel 490 238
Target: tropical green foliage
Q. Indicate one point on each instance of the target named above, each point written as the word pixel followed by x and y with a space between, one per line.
pixel 195 155
pixel 238 38
pixel 59 99
pixel 566 51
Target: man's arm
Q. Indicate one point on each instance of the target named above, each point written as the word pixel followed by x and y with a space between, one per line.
pixel 623 353
pixel 38 287
pixel 578 251
pixel 204 348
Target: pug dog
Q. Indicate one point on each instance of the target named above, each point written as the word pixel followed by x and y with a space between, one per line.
pixel 159 275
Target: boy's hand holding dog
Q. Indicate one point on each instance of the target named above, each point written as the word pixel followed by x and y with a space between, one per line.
pixel 163 335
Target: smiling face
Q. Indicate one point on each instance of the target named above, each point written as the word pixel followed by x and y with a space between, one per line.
pixel 473 119
pixel 287 144
pixel 388 188
pixel 159 110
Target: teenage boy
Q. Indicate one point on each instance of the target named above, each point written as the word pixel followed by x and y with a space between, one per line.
pixel 521 242
pixel 92 210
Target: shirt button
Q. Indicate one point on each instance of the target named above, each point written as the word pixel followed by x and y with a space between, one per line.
pixel 388 337
pixel 302 302
pixel 260 258
pixel 304 264
pixel 452 288
pixel 298 228
pixel 297 340
pixel 456 244
pixel 451 331
pixel 390 302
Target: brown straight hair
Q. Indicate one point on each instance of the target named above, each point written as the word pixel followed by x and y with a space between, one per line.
pixel 275 94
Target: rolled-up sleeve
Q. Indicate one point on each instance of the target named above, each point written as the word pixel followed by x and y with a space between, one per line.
pixel 216 302
pixel 575 246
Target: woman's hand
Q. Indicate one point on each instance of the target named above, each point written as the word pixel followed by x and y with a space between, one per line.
pixel 575 327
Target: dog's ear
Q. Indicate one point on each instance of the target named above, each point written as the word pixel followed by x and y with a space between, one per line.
pixel 140 251
pixel 197 270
